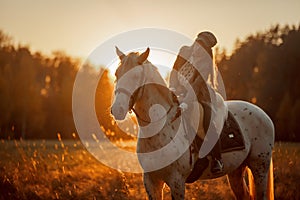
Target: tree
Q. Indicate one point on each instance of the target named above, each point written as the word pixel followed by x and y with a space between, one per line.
pixel 264 69
pixel 59 80
pixel 22 115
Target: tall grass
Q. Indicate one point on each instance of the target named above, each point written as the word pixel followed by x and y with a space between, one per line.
pixel 65 170
pixel 55 170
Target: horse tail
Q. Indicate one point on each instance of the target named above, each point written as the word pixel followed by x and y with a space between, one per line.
pixel 270 186
pixel 251 184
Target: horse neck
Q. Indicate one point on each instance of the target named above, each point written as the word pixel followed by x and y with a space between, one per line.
pixel 153 93
pixel 153 136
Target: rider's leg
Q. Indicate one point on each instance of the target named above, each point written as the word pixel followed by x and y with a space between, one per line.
pixel 211 122
pixel 216 151
pixel 217 164
pixel 216 125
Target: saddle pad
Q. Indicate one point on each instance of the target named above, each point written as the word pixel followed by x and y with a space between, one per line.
pixel 231 137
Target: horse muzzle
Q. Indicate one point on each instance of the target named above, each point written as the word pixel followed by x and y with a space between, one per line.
pixel 120 106
pixel 118 112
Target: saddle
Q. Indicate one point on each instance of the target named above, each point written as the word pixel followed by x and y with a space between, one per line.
pixel 231 138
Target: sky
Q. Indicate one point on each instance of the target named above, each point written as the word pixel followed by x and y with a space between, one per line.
pixel 78 26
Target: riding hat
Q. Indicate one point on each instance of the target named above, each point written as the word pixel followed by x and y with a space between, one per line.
pixel 207 38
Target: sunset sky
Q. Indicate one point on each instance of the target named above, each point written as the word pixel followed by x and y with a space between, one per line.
pixel 77 27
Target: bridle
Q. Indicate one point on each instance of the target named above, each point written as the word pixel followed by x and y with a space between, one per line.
pixel 128 94
pixel 139 93
pixel 133 96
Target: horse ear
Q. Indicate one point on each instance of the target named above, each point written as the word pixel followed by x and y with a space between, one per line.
pixel 120 53
pixel 144 56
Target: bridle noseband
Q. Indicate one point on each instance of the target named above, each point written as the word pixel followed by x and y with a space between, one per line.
pixel 139 93
pixel 132 96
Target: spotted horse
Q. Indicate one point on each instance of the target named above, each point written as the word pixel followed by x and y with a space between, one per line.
pixel 164 149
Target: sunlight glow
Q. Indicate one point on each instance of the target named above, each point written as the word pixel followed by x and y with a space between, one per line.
pixel 162 59
pixel 256 69
pixel 253 100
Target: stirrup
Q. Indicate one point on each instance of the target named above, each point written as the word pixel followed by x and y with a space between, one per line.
pixel 217 166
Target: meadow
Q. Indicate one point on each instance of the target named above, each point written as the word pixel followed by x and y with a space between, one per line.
pixel 57 169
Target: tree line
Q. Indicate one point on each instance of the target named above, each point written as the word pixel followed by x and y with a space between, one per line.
pixel 263 69
pixel 36 90
pixel 36 94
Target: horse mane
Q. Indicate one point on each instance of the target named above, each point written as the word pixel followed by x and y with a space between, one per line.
pixel 169 95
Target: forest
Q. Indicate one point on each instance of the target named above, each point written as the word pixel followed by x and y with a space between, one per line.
pixel 36 90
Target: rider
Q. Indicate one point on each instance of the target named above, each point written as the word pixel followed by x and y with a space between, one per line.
pixel 194 65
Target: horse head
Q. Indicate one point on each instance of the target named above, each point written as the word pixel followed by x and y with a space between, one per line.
pixel 129 79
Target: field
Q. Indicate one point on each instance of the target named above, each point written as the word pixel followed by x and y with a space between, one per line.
pixel 65 170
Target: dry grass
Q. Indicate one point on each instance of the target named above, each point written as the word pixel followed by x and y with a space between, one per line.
pixel 65 170
pixel 286 159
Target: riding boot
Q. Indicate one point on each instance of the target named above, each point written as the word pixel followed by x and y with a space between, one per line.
pixel 217 164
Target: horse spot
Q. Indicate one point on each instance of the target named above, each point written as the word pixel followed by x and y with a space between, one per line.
pixel 243 118
pixel 250 113
pixel 255 138
pixel 234 114
pixel 245 109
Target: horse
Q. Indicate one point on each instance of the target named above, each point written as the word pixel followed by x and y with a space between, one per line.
pixel 140 88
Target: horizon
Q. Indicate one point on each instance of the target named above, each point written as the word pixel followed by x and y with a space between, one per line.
pixel 78 28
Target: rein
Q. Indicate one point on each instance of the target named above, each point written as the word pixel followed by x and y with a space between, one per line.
pixel 169 110
pixel 139 93
pixel 147 121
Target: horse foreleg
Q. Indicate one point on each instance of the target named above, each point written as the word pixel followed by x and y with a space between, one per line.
pixel 177 187
pixel 153 187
